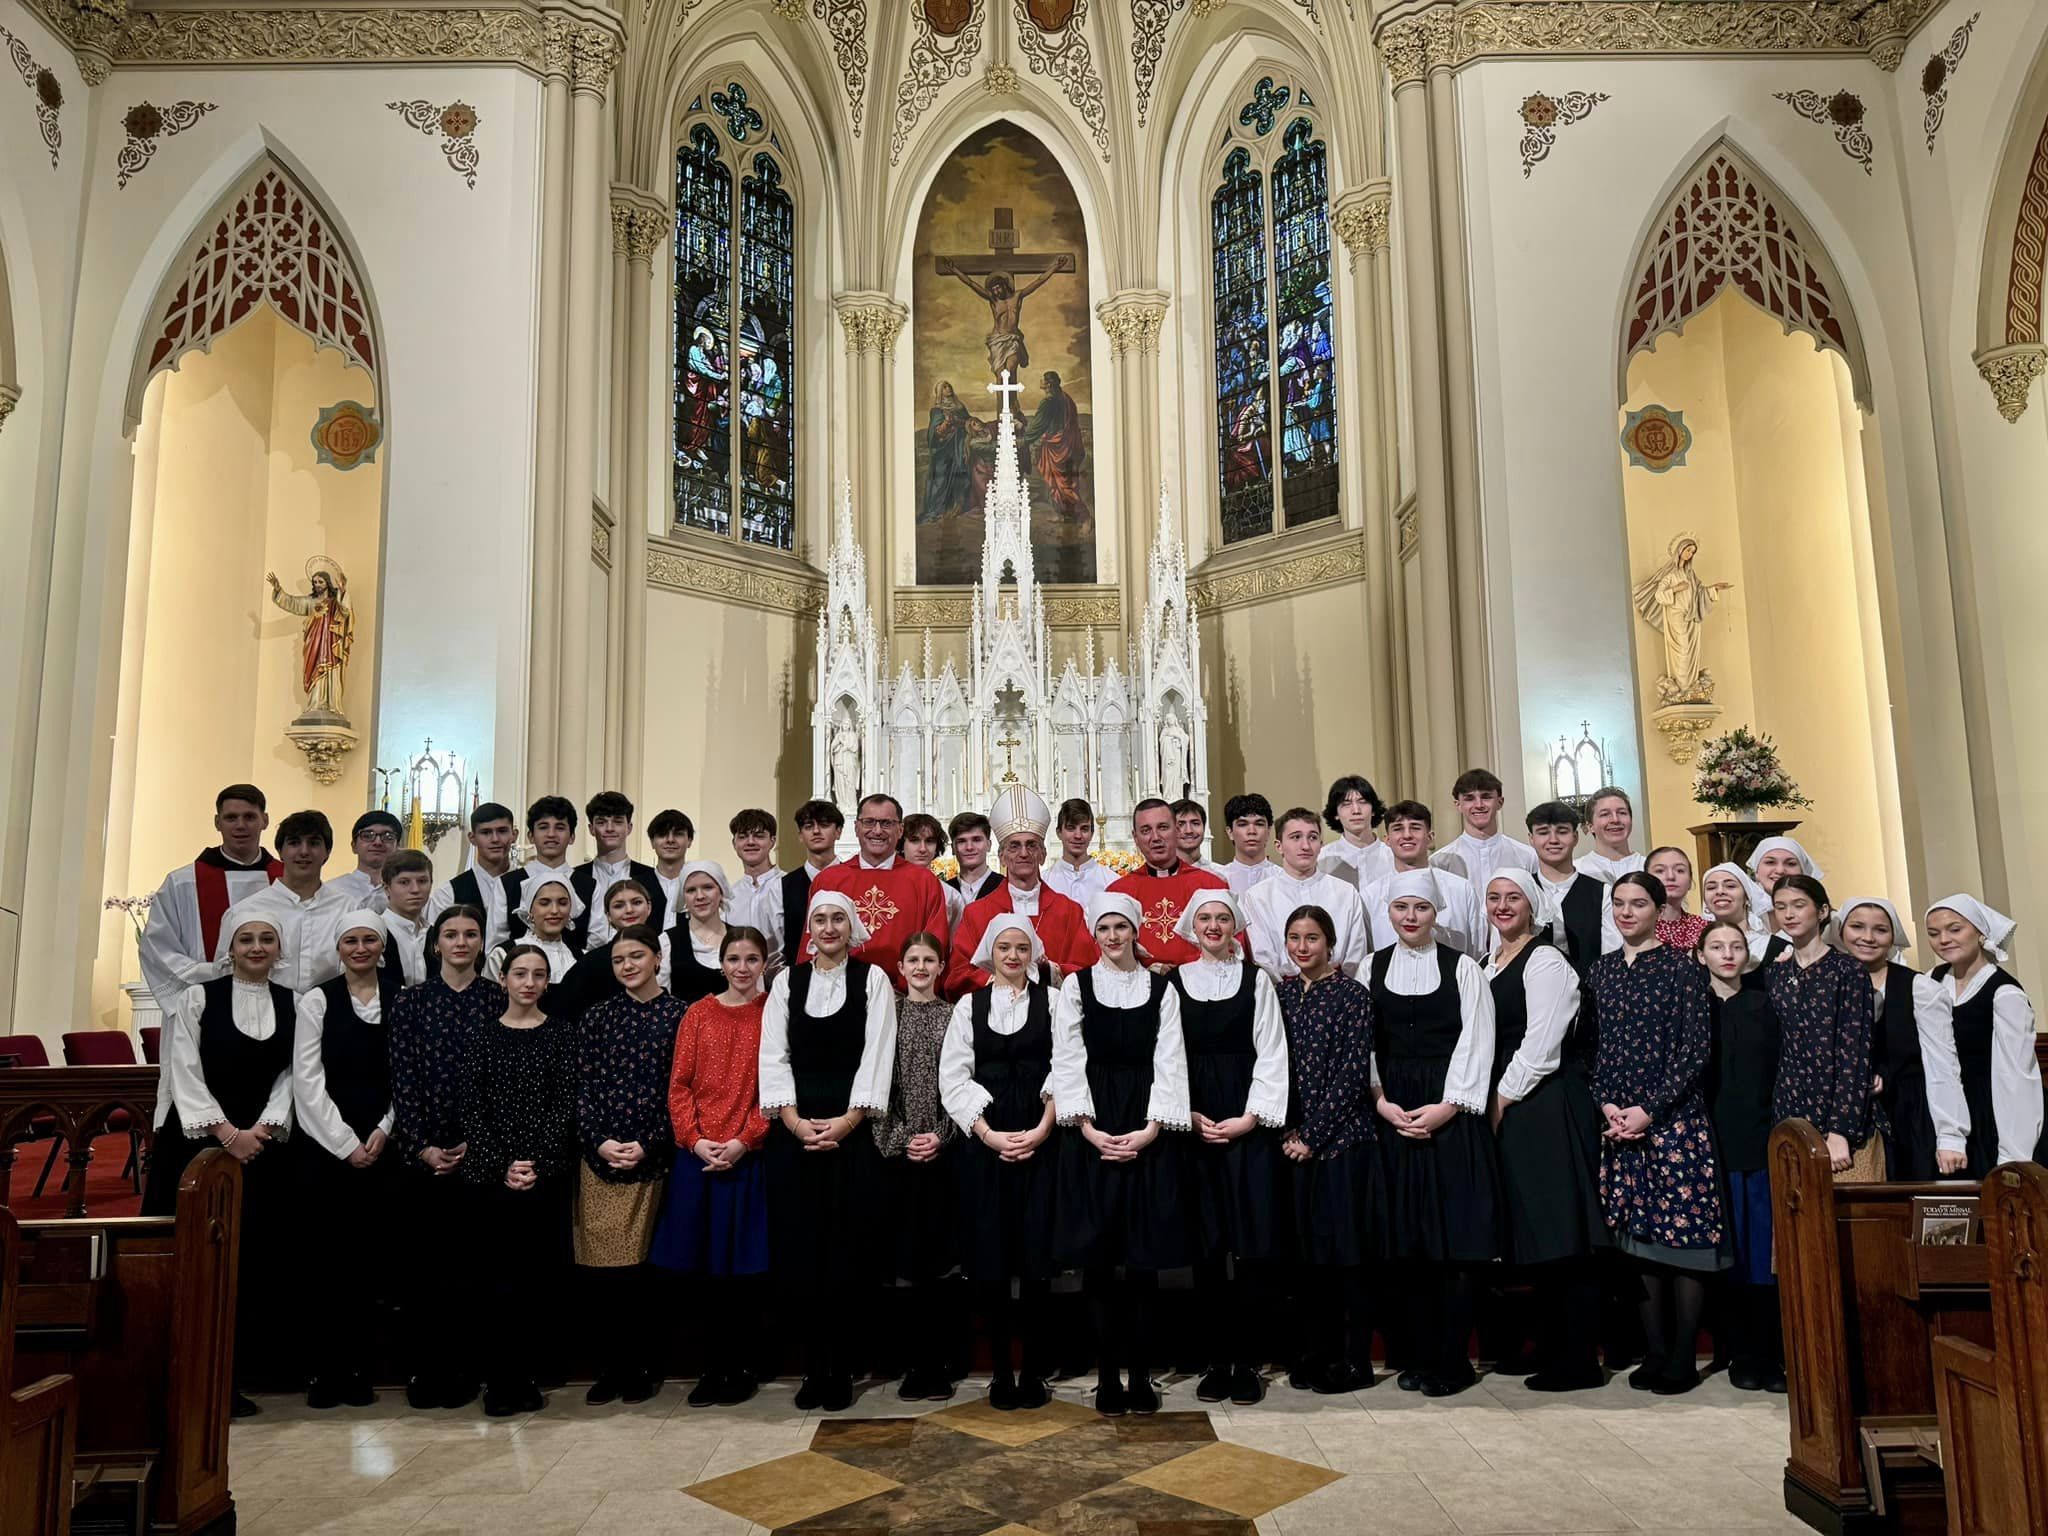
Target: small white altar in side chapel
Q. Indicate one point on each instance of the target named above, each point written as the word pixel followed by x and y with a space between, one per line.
pixel 943 743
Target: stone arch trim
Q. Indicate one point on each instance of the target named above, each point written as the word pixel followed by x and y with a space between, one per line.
pixel 269 242
pixel 1728 226
pixel 2010 352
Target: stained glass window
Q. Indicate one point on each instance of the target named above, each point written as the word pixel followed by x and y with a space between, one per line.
pixel 1308 382
pixel 735 384
pixel 1237 220
pixel 1273 321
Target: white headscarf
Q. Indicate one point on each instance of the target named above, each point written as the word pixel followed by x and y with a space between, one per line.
pixel 1106 903
pixel 1007 922
pixel 534 885
pixel 1899 945
pixel 1753 895
pixel 716 871
pixel 1414 882
pixel 1543 906
pixel 1786 845
pixel 845 904
pixel 1995 926
pixel 253 909
pixel 1222 896
pixel 361 917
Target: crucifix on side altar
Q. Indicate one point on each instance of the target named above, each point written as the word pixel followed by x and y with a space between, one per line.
pixel 1009 743
pixel 1007 353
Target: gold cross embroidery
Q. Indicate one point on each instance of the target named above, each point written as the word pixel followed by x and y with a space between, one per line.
pixel 875 908
pixel 1160 919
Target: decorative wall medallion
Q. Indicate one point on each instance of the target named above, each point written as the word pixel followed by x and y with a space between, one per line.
pixel 145 123
pixel 456 123
pixel 346 435
pixel 742 119
pixel 1063 55
pixel 1050 15
pixel 1843 112
pixel 1939 73
pixel 47 88
pixel 1656 439
pixel 945 37
pixel 1148 45
pixel 1001 80
pixel 1543 115
pixel 846 21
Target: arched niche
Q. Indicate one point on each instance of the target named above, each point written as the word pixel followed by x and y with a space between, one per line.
pixel 2009 350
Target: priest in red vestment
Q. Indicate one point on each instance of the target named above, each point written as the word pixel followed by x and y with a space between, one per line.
pixel 1164 887
pixel 1019 820
pixel 894 897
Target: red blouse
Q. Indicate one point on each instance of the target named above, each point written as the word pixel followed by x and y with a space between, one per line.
pixel 714 1084
pixel 1682 933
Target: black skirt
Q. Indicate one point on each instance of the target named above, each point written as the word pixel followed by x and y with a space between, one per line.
pixel 1006 1209
pixel 1239 1190
pixel 822 1208
pixel 1549 1152
pixel 1340 1207
pixel 1133 1213
pixel 1443 1194
pixel 1908 1127
pixel 922 1201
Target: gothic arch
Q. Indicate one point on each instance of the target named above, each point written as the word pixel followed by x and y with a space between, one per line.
pixel 267 240
pixel 1727 225
pixel 10 375
pixel 2009 344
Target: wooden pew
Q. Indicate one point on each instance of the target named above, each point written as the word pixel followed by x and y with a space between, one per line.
pixel 1994 1402
pixel 38 1422
pixel 1862 1303
pixel 79 1100
pixel 150 1339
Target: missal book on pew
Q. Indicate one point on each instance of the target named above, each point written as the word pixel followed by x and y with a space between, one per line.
pixel 1946 1221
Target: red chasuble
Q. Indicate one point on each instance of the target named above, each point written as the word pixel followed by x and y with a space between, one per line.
pixel 893 903
pixel 1161 899
pixel 1062 928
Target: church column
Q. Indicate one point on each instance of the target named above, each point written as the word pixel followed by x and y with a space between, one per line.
pixel 593 52
pixel 647 230
pixel 1361 218
pixel 1435 720
pixel 615 444
pixel 544 686
pixel 1133 319
pixel 872 322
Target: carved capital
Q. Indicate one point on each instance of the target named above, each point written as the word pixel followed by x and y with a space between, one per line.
pixel 872 322
pixel 1888 53
pixel 10 396
pixel 592 54
pixel 643 239
pixel 94 30
pixel 1440 39
pixel 1682 726
pixel 1363 218
pixel 622 226
pixel 2011 371
pixel 1404 52
pixel 557 47
pixel 1133 320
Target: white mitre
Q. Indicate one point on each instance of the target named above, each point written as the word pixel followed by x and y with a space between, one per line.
pixel 1016 810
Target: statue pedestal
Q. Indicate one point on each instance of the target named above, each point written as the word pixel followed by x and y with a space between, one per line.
pixel 324 738
pixel 1731 841
pixel 1682 726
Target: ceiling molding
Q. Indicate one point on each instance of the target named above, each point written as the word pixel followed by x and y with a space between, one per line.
pixel 1551 28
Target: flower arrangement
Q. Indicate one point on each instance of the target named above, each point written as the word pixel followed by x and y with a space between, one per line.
pixel 946 867
pixel 1119 861
pixel 1741 771
pixel 134 908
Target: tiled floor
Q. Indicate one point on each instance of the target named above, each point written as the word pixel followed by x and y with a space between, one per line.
pixel 1493 1461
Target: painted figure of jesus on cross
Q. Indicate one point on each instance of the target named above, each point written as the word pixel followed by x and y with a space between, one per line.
pixel 1007 353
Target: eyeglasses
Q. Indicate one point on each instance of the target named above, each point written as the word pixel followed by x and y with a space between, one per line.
pixel 381 835
pixel 878 823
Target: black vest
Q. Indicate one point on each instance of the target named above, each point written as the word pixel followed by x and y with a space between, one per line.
pixel 1425 1028
pixel 796 909
pixel 989 882
pixel 824 1054
pixel 240 1072
pixel 689 979
pixel 1895 1047
pixel 1013 1067
pixel 1580 910
pixel 357 1056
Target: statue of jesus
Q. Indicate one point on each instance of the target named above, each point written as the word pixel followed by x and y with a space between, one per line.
pixel 326 637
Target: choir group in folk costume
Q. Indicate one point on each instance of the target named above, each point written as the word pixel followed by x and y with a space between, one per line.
pixel 1368 1084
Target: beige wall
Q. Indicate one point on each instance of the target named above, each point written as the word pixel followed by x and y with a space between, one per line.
pixel 1772 490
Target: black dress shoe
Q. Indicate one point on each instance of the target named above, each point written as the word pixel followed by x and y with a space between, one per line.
pixel 810 1392
pixel 1566 1381
pixel 1110 1399
pixel 1645 1376
pixel 838 1393
pixel 603 1390
pixel 1215 1386
pixel 1002 1392
pixel 1775 1382
pixel 422 1393
pixel 1341 1376
pixel 638 1387
pixel 323 1392
pixel 1676 1383
pixel 912 1387
pixel 358 1391
pixel 502 1404
pixel 1409 1381
pixel 1447 1386
pixel 739 1386
pixel 1142 1395
pixel 531 1398
pixel 709 1391
pixel 938 1386
pixel 1032 1392
pixel 244 1407
pixel 1745 1378
pixel 1247 1386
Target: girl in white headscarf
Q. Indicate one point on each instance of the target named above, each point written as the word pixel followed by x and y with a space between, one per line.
pixel 995 1080
pixel 1120 1086
pixel 1994 1033
pixel 706 896
pixel 1727 893
pixel 1548 1129
pixel 1237 1095
pixel 1433 1043
pixel 1923 1139
pixel 828 1052
pixel 547 906
pixel 1771 861
pixel 229 1045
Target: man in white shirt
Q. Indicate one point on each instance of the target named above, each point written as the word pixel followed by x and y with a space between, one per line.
pixel 183 926
pixel 1582 901
pixel 1249 821
pixel 1612 820
pixel 1460 924
pixel 1191 836
pixel 1353 811
pixel 756 900
pixel 1075 874
pixel 374 838
pixel 1297 882
pixel 492 832
pixel 671 834
pixel 551 828
pixel 305 910
pixel 1481 848
pixel 971 839
pixel 611 828
pixel 818 826
pixel 408 883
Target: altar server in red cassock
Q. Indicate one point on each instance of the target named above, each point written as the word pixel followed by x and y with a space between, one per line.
pixel 1020 819
pixel 1164 887
pixel 895 898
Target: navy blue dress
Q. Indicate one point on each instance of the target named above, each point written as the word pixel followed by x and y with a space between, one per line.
pixel 1339 1201
pixel 1827 1013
